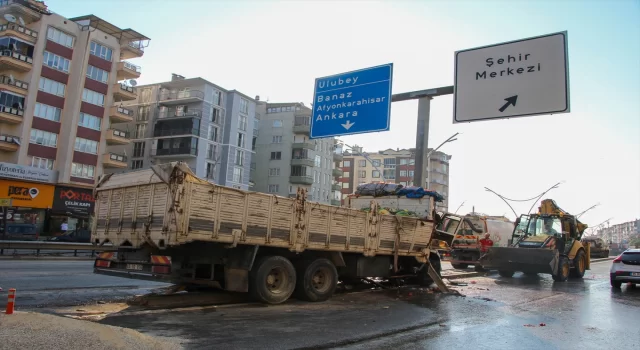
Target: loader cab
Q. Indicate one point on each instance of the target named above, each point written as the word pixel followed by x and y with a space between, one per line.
pixel 545 231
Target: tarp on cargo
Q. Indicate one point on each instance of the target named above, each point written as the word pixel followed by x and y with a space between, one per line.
pixel 156 174
pixel 377 189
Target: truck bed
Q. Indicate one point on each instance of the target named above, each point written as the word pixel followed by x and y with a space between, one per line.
pixel 169 206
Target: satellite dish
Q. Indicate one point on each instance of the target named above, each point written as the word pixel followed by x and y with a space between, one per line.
pixel 9 17
pixel 21 21
pixel 133 82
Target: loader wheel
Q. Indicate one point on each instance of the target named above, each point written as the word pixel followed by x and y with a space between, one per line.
pixel 459 266
pixel 505 273
pixel 317 280
pixel 272 280
pixel 563 270
pixel 579 265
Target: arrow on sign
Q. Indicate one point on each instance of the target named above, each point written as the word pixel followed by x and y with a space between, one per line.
pixel 348 125
pixel 510 101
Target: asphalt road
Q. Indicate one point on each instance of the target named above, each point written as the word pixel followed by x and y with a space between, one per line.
pixel 495 313
pixel 52 283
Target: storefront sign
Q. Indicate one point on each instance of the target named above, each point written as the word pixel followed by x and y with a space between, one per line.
pixel 28 173
pixel 26 194
pixel 73 200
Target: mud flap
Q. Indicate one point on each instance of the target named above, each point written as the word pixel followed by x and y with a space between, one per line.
pixel 520 259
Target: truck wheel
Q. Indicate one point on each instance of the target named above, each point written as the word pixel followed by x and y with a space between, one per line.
pixel 272 280
pixel 505 273
pixel 459 266
pixel 317 280
pixel 579 265
pixel 563 270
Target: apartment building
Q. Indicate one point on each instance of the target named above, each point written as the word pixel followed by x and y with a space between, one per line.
pixel 620 233
pixel 394 166
pixel 287 159
pixel 190 120
pixel 58 88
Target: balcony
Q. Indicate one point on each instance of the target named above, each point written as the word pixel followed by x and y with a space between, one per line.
pixel 159 132
pixel 336 202
pixel 11 115
pixel 181 97
pixel 132 49
pixel 14 85
pixel 126 70
pixel 337 157
pixel 120 114
pixel 9 143
pixel 12 60
pixel 336 187
pixel 117 137
pixel 20 32
pixel 301 129
pixel 303 162
pixel 29 10
pixel 166 113
pixel 304 145
pixel 175 152
pixel 123 92
pixel 301 180
pixel 114 160
pixel 337 172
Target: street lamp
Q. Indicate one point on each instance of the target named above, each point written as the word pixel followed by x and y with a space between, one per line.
pixel 450 139
pixel 460 206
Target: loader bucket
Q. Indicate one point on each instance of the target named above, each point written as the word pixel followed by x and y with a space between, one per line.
pixel 533 260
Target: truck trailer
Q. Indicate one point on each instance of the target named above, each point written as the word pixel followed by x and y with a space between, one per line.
pixel 169 225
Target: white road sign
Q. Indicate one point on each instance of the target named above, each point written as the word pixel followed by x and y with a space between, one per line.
pixel 515 79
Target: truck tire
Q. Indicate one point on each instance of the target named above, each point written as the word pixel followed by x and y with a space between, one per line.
pixel 579 265
pixel 563 270
pixel 459 266
pixel 317 280
pixel 272 280
pixel 506 273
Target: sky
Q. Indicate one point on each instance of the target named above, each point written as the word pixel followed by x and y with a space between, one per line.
pixel 277 49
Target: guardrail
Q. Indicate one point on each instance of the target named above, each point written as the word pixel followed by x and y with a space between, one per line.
pixel 37 246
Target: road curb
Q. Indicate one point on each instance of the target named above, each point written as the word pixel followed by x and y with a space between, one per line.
pixel 29 257
pixel 603 259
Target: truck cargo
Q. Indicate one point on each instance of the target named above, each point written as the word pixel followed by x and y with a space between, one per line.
pixel 172 226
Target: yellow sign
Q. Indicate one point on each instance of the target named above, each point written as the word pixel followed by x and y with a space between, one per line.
pixel 5 202
pixel 26 194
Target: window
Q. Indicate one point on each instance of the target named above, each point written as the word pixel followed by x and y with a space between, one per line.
pixel 143 113
pixel 211 151
pixel 318 161
pixel 82 170
pixel 244 106
pixel 411 173
pixel 345 185
pixel 56 62
pixel 276 155
pixel 215 116
pixel 276 139
pixel 51 87
pixel 136 164
pixel 211 170
pixel 404 161
pixel 316 178
pixel 239 157
pixel 346 174
pixel 140 131
pixel 412 161
pixel 362 174
pixel 59 37
pixel 86 146
pixel 213 133
pixel 389 162
pixel 44 138
pixel 242 123
pixel 47 112
pixel 93 97
pixel 274 171
pixel 241 141
pixel 42 163
pixel 101 51
pixel 277 123
pixel 217 98
pixel 274 188
pixel 97 74
pixel 375 162
pixel 89 121
pixel 389 173
pixel 375 174
pixel 346 163
pixel 138 149
pixel 362 163
pixel 237 175
pixel 403 173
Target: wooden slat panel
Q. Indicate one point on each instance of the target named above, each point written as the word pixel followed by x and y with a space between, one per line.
pixel 257 220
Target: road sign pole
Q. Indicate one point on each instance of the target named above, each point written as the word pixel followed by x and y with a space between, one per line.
pixel 422 141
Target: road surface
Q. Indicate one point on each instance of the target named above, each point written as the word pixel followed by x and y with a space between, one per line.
pixel 496 313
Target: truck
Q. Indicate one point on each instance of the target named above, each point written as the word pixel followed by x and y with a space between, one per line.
pixel 465 248
pixel 548 241
pixel 169 225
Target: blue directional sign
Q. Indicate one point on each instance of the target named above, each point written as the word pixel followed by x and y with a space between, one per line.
pixel 352 103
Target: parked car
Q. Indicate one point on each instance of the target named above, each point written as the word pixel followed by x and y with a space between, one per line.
pixel 599 248
pixel 625 268
pixel 77 236
pixel 20 232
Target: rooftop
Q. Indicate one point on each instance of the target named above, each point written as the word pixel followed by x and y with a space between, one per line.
pixel 126 35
